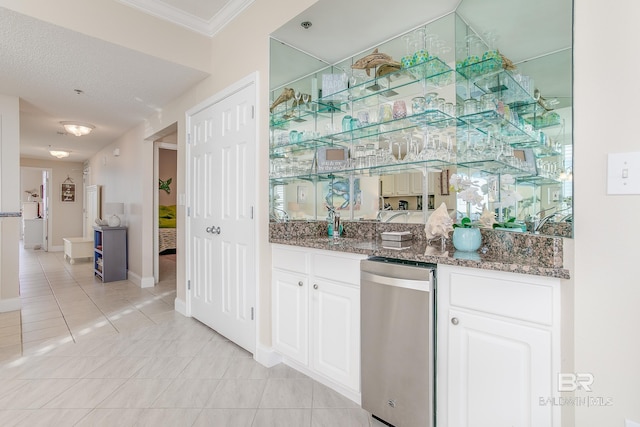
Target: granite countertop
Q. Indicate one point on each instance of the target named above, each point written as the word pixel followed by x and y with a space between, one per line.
pixel 419 250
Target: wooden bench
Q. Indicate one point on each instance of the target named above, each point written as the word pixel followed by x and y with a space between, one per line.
pixel 77 247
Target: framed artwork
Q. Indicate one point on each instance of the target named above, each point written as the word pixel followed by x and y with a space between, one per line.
pixel 431 202
pixel 67 193
pixel 444 182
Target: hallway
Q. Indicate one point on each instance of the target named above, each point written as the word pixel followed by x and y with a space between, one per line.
pixel 83 353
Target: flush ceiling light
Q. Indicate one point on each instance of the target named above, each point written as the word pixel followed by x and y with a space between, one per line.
pixel 59 153
pixel 77 128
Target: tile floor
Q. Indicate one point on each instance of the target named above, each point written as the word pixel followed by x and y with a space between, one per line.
pixel 83 353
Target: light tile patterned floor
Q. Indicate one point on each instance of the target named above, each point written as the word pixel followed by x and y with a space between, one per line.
pixel 83 353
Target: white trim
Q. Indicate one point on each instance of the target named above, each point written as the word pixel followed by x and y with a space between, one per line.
pixel 157 145
pixel 143 282
pixel 350 394
pixel 184 19
pixel 180 306
pixel 267 356
pixel 10 304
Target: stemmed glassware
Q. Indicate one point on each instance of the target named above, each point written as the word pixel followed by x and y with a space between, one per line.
pixel 305 99
pixel 298 96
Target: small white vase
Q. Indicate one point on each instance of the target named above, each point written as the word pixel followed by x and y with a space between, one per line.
pixel 114 221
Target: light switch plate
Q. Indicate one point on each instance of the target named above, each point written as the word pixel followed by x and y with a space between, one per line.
pixel 623 173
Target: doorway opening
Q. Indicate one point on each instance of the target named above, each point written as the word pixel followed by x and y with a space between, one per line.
pixel 165 203
pixel 34 205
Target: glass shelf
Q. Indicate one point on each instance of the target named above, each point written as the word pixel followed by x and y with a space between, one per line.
pixel 373 131
pixel 391 86
pixel 537 180
pixel 429 118
pixel 509 133
pixel 430 165
pixel 494 167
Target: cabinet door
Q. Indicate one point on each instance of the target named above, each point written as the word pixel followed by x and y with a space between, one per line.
pixel 335 332
pixel 498 372
pixel 290 315
pixel 402 184
pixel 388 186
pixel 416 183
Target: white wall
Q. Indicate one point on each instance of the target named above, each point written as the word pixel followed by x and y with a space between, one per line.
pixel 9 202
pixel 607 284
pixel 128 179
pixel 248 51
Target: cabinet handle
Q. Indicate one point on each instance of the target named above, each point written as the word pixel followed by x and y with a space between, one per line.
pixel 300 283
pixel 455 320
pixel 315 286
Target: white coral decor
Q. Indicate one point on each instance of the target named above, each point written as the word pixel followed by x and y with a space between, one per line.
pixel 439 223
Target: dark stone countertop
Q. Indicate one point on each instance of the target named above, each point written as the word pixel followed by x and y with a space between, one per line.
pixel 419 250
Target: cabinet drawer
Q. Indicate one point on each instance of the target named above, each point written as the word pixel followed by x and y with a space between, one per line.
pixel 507 297
pixel 340 268
pixel 290 259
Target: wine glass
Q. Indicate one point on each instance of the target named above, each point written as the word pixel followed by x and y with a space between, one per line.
pixel 298 97
pixel 305 99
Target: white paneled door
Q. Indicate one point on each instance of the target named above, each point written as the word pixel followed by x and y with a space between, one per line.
pixel 221 237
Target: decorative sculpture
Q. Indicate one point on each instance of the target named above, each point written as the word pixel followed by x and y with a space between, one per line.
pixel 439 224
pixel 373 60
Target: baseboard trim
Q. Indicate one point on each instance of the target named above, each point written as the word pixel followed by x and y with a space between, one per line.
pixel 346 392
pixel 143 282
pixel 10 304
pixel 147 282
pixel 180 306
pixel 266 356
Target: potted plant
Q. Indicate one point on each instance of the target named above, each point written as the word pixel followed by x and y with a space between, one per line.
pixel 466 235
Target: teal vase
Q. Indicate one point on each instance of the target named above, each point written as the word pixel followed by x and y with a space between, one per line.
pixel 467 239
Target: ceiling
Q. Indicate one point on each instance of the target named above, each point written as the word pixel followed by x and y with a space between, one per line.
pixel 45 65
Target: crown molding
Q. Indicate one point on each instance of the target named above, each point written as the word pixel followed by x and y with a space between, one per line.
pixel 207 27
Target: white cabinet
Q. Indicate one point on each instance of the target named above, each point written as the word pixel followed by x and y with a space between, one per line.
pixel 498 351
pixel 416 183
pixel 387 185
pixel 335 317
pixel 402 184
pixel 290 315
pixel 33 233
pixel 316 313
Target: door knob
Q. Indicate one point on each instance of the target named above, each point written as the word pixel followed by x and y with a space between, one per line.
pixel 213 229
pixel 315 286
pixel 300 283
pixel 455 320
